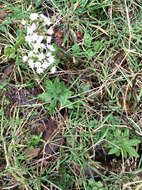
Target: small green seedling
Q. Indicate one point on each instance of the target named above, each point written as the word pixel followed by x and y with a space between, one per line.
pixel 123 144
pixel 57 94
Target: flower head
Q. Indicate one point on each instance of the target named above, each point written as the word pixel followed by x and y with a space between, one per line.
pixel 23 22
pixel 34 37
pixel 45 65
pixel 31 53
pixel 37 64
pixel 51 59
pixel 39 40
pixel 48 40
pixel 39 70
pixel 31 29
pixel 41 56
pixel 25 58
pixel 53 70
pixel 46 20
pixel 50 31
pixel 50 47
pixel 49 54
pixel 33 16
pixel 28 38
pixel 31 63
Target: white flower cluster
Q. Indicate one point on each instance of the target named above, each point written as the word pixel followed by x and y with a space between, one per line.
pixel 38 37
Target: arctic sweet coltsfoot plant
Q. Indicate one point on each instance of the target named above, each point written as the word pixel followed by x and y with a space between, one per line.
pixel 38 36
pixel 56 95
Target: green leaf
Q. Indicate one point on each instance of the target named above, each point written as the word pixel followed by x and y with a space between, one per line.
pixel 64 102
pixel 117 153
pixel 132 152
pixel 89 53
pixel 66 37
pixel 3 85
pixel 20 41
pixel 38 2
pixel 52 106
pixel 126 132
pixel 57 92
pixel 45 97
pixel 133 142
pixel 7 50
pixel 68 104
pixel 97 45
pixel 87 39
pixel 124 150
pixel 114 150
pixel 10 52
pixel 3 28
pixel 76 48
pixel 49 85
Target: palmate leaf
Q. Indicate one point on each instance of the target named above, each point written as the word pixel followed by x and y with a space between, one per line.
pixel 64 98
pixel 124 150
pixel 49 85
pixel 132 142
pixel 66 102
pixel 87 39
pixel 114 151
pixel 45 97
pixel 124 144
pixel 52 106
pixel 57 94
pixel 132 152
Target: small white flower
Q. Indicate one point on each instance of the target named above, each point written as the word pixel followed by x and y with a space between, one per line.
pixel 50 47
pixel 41 56
pixel 50 31
pixel 40 38
pixel 42 16
pixel 51 59
pixel 29 30
pixel 33 27
pixel 42 46
pixel 35 50
pixel 31 63
pixel 53 70
pixel 23 22
pixel 45 65
pixel 36 46
pixel 28 39
pixel 33 16
pixel 48 54
pixel 34 37
pixel 30 54
pixel 39 70
pixel 48 40
pixel 25 58
pixel 37 64
pixel 46 20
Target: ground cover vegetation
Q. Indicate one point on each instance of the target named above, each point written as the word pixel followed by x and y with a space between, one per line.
pixel 70 94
